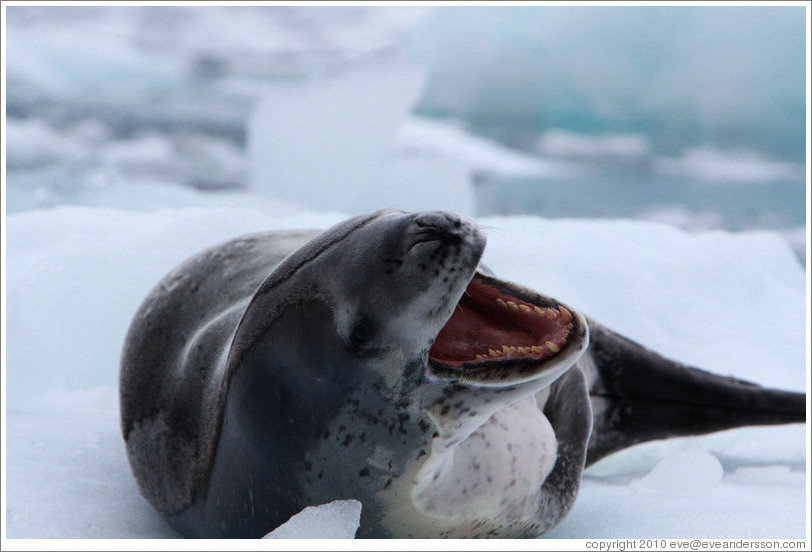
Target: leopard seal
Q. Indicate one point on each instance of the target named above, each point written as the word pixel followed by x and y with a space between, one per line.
pixel 380 361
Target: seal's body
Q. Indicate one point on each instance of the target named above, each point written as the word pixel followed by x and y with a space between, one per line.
pixel 377 361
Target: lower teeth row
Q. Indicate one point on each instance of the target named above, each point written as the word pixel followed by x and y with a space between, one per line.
pixel 507 351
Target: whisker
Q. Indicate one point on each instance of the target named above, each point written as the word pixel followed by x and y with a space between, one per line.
pixel 488 227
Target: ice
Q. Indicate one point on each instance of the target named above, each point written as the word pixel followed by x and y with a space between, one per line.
pixel 83 272
pixel 714 165
pixel 77 274
pixel 652 283
pixel 683 218
pixel 725 77
pixel 479 154
pixel 197 161
pixel 69 477
pixel 631 149
pixel 690 472
pixel 33 142
pixel 330 143
pixel 337 520
pixel 62 62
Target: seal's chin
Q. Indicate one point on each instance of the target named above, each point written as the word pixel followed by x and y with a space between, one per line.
pixel 500 331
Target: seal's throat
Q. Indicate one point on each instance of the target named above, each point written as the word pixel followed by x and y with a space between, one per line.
pixel 495 323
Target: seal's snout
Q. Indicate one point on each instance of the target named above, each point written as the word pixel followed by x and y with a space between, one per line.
pixel 443 226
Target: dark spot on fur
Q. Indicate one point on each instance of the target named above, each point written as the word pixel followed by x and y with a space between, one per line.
pixel 364 472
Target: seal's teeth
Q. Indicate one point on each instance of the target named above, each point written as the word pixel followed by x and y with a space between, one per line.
pixel 501 302
pixel 513 305
pixel 540 312
pixel 525 309
pixel 481 357
pixel 509 350
pixel 566 317
pixel 524 350
pixel 552 346
pixel 537 349
pixel 494 354
pixel 552 314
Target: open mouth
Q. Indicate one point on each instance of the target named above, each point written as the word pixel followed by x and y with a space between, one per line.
pixel 494 324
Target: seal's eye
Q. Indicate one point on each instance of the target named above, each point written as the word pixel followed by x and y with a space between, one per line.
pixel 360 334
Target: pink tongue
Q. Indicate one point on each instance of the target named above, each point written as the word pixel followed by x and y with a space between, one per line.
pixel 472 333
pixel 484 323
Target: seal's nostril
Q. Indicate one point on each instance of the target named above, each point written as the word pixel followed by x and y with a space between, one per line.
pixel 444 223
pixel 440 226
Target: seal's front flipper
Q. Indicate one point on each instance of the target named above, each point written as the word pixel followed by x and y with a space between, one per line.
pixel 638 395
pixel 567 408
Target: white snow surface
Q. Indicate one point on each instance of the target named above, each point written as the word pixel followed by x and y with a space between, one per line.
pixel 732 303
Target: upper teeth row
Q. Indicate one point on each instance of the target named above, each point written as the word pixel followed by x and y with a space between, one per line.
pixel 550 313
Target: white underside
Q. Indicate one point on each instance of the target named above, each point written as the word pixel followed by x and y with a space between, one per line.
pixel 497 472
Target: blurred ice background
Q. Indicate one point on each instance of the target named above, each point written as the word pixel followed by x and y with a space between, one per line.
pixel 136 136
pixel 691 116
